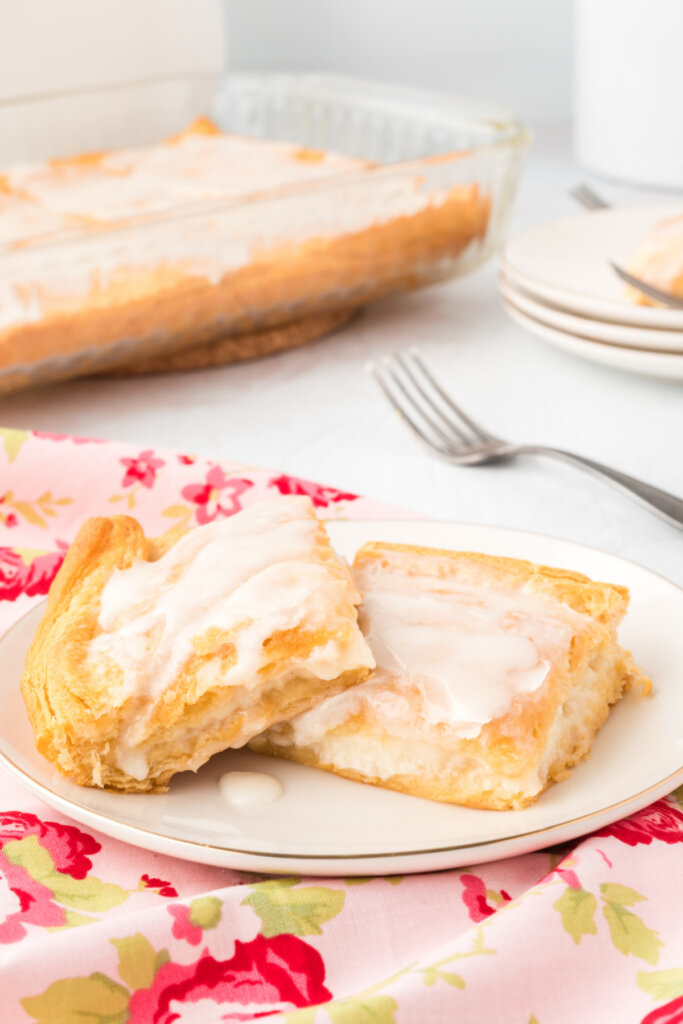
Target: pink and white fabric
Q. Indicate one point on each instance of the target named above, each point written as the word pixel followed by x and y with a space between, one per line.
pixel 93 931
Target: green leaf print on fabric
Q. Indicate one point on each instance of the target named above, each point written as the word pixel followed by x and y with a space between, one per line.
pixel 363 1010
pixel 304 1016
pixel 137 960
pixel 662 984
pixel 72 920
pixel 284 909
pixel 629 934
pixel 162 957
pixel 87 893
pixel 432 975
pixel 12 440
pixel 92 1000
pixel 205 911
pixel 577 910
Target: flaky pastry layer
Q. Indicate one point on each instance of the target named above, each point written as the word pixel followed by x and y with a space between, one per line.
pixel 385 732
pixel 187 290
pixel 100 726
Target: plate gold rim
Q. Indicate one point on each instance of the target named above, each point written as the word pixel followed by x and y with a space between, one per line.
pixel 39 787
pixel 673 777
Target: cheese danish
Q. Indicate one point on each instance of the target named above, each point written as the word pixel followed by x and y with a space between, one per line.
pixel 493 677
pixel 154 655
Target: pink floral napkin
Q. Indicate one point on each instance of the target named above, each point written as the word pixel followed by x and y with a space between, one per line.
pixel 93 931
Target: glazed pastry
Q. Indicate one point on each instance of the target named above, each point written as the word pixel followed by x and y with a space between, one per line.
pixel 493 677
pixel 154 655
pixel 128 255
pixel 659 261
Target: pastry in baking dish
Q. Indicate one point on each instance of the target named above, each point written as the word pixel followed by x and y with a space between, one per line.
pixel 659 261
pixel 124 255
pixel 154 655
pixel 493 677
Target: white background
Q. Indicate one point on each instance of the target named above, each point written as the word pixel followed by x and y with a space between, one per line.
pixel 515 52
pixel 315 413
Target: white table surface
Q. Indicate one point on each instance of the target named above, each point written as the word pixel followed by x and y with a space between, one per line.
pixel 314 412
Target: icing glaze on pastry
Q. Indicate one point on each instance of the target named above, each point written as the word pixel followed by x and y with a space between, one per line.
pixel 255 571
pixel 493 677
pixel 247 791
pixel 155 654
pixel 467 651
pixel 209 176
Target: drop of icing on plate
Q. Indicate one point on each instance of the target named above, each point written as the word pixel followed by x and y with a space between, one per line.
pixel 248 790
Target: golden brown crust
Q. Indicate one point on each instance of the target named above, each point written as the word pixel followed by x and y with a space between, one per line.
pixel 606 602
pixel 78 708
pixel 171 308
pixel 516 755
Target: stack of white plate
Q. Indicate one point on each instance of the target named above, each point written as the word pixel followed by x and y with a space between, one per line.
pixel 556 280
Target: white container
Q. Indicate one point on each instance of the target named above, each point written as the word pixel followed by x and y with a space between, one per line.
pixel 79 75
pixel 629 90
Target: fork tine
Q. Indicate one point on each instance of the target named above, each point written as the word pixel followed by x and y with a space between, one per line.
pixel 403 413
pixel 444 419
pixel 480 434
pixel 587 197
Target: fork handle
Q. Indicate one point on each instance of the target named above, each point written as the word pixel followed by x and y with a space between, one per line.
pixel 665 505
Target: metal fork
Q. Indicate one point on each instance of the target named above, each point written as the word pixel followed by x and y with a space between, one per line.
pixel 447 431
pixel 588 198
pixel 592 201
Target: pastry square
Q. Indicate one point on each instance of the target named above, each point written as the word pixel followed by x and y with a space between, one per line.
pixel 658 261
pixel 493 676
pixel 154 655
pixel 204 236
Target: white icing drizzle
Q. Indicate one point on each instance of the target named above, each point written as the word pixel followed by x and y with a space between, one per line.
pixel 253 574
pixel 214 177
pixel 465 649
pixel 250 790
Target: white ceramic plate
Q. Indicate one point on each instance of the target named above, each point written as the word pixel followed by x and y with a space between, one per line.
pixel 624 335
pixel 324 825
pixel 566 262
pixel 634 360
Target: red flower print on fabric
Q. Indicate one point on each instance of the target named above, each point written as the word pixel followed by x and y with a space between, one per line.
pixel 186 460
pixel 658 821
pixel 17 577
pixel 163 888
pixel 480 901
pixel 13 574
pixel 670 1013
pixel 217 497
pixel 319 495
pixel 565 872
pixel 182 925
pixel 24 901
pixel 69 848
pixel 141 470
pixel 263 976
pixel 9 519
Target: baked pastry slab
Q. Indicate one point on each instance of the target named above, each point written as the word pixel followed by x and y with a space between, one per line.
pixel 659 261
pixel 493 677
pixel 136 254
pixel 154 655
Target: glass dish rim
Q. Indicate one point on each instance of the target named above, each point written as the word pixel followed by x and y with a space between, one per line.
pixel 509 135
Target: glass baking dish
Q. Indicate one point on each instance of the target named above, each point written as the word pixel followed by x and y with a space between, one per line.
pixel 428 198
